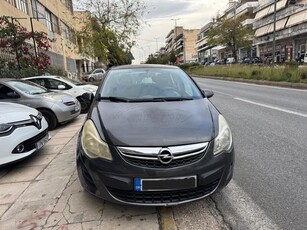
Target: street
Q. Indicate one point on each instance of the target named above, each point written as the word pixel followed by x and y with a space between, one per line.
pixel 268 190
pixel 269 127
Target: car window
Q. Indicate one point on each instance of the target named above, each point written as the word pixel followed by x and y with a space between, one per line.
pixel 4 91
pixel 27 87
pixel 38 81
pixel 54 84
pixel 149 83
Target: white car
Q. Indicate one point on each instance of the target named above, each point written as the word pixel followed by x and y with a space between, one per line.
pixel 74 88
pixel 94 75
pixel 23 130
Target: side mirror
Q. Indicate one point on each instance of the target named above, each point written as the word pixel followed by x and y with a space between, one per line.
pixel 208 93
pixel 61 87
pixel 12 95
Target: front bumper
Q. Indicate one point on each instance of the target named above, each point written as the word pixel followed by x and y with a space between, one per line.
pixel 66 113
pixel 114 181
pixel 28 136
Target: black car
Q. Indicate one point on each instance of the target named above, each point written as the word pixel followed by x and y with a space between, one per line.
pixel 252 60
pixel 152 137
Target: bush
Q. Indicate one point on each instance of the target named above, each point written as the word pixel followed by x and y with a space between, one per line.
pixel 30 72
pixel 187 66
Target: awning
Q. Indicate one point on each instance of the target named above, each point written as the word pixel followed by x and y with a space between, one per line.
pixel 297 18
pixel 219 47
pixel 270 9
pixel 262 31
pixel 279 25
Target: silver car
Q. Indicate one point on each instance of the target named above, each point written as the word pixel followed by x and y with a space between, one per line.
pixel 55 107
pixel 94 75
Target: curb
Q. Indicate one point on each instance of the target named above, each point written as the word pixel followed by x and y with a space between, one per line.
pixel 166 218
pixel 258 82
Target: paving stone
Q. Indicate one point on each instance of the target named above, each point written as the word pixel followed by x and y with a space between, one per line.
pixel 3 208
pixel 38 159
pixel 59 141
pixel 22 174
pixel 52 149
pixel 11 191
pixel 45 189
pixel 27 215
pixel 64 134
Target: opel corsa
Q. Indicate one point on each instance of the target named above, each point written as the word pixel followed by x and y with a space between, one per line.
pixel 152 137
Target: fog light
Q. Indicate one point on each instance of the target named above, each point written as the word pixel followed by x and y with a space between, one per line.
pixel 20 148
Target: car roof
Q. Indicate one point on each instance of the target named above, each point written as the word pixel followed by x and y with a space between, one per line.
pixel 45 76
pixel 9 79
pixel 153 66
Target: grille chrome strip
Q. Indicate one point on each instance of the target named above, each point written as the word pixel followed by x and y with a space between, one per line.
pixel 179 152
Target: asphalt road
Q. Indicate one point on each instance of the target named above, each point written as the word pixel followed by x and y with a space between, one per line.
pixel 269 125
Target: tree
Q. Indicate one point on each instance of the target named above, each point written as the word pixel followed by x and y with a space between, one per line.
pixel 18 42
pixel 109 29
pixel 230 33
pixel 161 59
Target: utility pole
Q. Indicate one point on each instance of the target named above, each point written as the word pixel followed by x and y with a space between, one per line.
pixel 274 31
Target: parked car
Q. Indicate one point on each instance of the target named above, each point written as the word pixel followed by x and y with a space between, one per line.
pixel 55 107
pixel 23 130
pixel 94 75
pixel 77 89
pixel 305 58
pixel 230 60
pixel 252 60
pixel 152 137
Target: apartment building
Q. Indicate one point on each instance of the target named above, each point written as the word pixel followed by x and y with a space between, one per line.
pixel 55 18
pixel 182 42
pixel 205 52
pixel 243 10
pixel 290 32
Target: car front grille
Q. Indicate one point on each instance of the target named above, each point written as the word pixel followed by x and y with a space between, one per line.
pixel 30 143
pixel 149 157
pixel 162 197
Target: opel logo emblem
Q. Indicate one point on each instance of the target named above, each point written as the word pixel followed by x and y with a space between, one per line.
pixel 165 156
pixel 37 121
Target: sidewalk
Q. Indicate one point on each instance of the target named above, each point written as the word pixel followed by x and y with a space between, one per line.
pixel 44 192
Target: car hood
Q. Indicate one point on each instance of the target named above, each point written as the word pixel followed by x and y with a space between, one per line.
pixel 156 123
pixel 11 112
pixel 59 97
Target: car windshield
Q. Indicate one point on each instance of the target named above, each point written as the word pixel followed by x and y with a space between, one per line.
pixel 28 87
pixel 149 84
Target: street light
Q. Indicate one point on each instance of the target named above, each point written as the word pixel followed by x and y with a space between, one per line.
pixel 274 31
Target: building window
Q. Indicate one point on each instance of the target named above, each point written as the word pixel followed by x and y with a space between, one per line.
pixel 20 4
pixel 52 22
pixel 39 11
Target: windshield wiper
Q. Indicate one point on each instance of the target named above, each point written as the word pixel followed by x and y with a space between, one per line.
pixel 172 98
pixel 115 99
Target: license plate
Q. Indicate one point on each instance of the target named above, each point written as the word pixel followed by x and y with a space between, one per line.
pixel 177 183
pixel 42 142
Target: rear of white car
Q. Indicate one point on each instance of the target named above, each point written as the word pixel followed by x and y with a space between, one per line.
pixel 23 130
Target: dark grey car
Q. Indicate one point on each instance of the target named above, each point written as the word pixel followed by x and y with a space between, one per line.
pixel 55 107
pixel 152 137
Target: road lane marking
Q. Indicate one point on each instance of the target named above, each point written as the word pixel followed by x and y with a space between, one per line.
pixel 272 107
pixel 241 211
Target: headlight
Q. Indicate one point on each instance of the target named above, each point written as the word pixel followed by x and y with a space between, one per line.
pixel 92 144
pixel 4 128
pixel 223 141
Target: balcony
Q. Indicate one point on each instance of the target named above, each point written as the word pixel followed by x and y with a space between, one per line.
pixel 248 21
pixel 245 7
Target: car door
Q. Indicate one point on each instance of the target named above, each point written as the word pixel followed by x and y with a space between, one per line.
pixel 99 74
pixel 7 94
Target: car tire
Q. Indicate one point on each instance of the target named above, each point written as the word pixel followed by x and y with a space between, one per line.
pixel 84 106
pixel 91 79
pixel 50 118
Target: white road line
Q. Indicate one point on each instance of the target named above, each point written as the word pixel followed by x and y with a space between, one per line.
pixel 272 107
pixel 244 213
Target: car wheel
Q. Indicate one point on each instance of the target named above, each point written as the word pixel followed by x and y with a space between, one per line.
pixel 84 106
pixel 91 79
pixel 50 118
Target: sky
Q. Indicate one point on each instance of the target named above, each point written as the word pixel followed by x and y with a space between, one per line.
pixel 191 14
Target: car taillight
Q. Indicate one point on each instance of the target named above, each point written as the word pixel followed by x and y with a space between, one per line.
pixel 69 103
